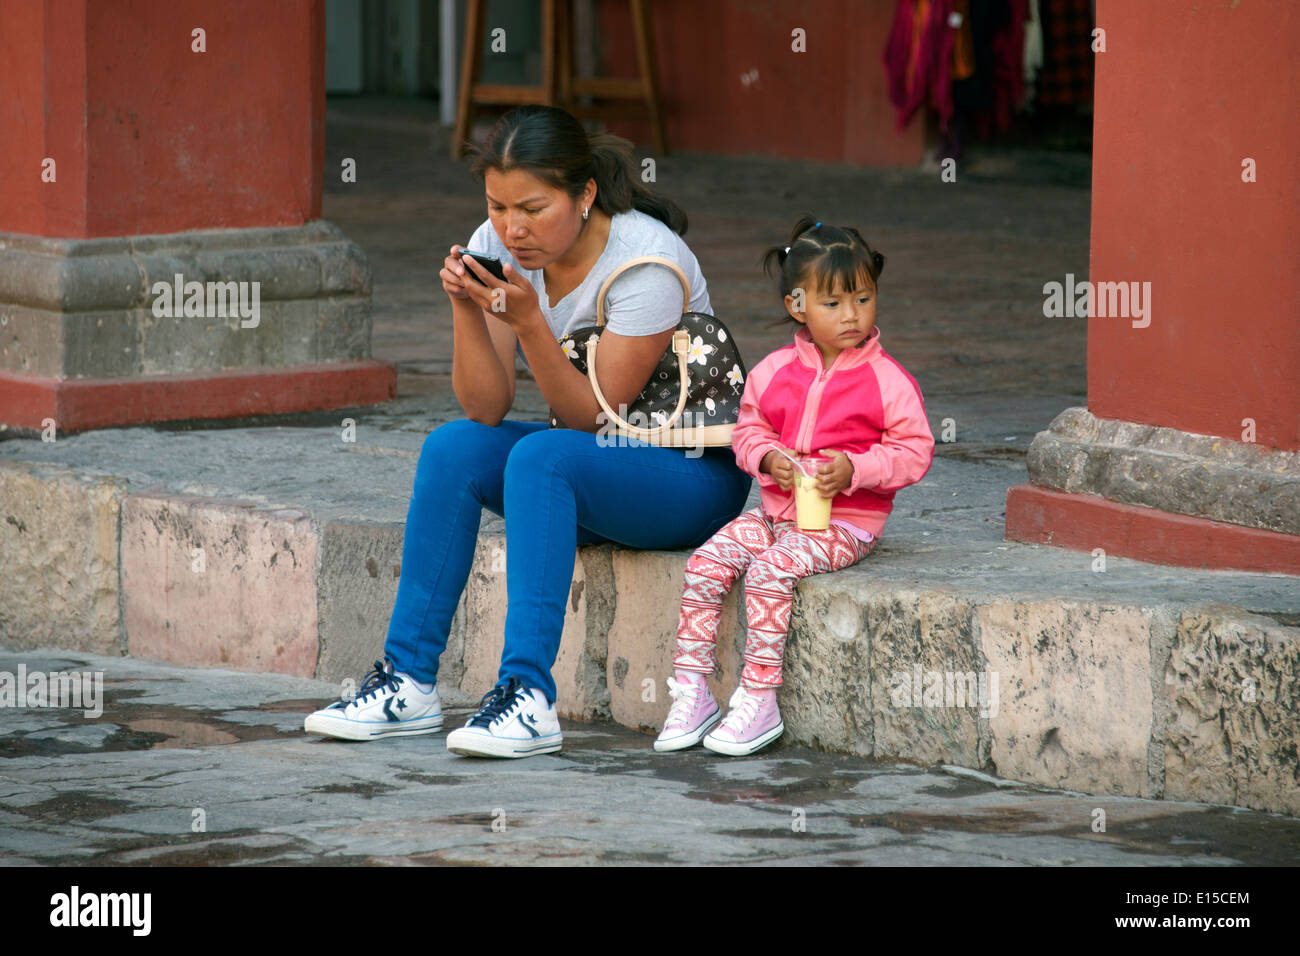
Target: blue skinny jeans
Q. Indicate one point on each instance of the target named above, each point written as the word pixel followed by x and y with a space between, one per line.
pixel 557 489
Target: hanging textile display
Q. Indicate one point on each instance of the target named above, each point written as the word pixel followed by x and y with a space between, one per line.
pixel 1066 79
pixel 918 59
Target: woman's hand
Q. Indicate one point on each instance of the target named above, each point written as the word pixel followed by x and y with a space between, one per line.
pixel 833 477
pixel 453 276
pixel 513 301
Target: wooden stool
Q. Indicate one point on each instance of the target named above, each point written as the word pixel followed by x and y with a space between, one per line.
pixel 559 87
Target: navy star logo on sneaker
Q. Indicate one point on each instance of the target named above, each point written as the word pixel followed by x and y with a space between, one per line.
pixel 532 718
pixel 401 703
pixel 524 724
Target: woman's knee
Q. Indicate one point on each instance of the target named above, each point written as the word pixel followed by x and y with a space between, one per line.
pixel 534 454
pixel 454 450
pixel 453 440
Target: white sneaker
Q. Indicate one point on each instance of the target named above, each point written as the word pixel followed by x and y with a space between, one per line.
pixel 513 721
pixel 385 706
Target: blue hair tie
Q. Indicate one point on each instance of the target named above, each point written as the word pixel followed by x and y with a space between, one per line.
pixel 818 226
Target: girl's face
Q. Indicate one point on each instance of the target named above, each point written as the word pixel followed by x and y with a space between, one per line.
pixel 837 319
pixel 534 220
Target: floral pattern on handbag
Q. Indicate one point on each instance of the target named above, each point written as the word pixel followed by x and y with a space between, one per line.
pixel 692 397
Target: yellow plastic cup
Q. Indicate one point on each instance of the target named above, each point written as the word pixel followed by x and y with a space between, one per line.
pixel 812 511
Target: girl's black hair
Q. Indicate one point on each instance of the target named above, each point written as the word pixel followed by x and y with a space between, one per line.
pixel 821 258
pixel 552 145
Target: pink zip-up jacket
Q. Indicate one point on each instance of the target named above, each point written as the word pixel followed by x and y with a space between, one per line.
pixel 865 405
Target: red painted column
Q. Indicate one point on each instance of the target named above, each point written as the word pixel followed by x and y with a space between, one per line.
pixel 1196 200
pixel 1176 121
pixel 146 139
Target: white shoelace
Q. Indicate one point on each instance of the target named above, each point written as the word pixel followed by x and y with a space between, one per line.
pixel 743 709
pixel 684 696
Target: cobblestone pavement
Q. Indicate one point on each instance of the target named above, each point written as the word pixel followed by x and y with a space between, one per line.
pixel 212 767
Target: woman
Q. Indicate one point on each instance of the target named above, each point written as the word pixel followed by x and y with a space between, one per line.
pixel 564 211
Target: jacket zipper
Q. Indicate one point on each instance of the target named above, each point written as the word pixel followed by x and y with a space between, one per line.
pixel 804 435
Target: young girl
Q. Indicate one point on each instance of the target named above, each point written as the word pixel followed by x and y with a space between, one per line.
pixel 835 392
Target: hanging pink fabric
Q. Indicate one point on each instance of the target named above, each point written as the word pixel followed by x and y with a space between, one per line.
pixel 918 59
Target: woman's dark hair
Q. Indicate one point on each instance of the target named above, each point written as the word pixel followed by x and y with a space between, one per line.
pixel 821 258
pixel 553 146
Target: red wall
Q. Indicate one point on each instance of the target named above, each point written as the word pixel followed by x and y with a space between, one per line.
pixel 1185 90
pixel 827 104
pixel 150 137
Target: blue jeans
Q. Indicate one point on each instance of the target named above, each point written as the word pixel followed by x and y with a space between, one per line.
pixel 557 489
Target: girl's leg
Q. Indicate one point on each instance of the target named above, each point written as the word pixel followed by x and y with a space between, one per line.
pixel 637 495
pixel 769 591
pixel 461 471
pixel 710 573
pixel 754 720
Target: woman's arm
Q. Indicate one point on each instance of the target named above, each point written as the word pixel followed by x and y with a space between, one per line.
pixel 483 363
pixel 482 353
pixel 625 363
pixel 623 366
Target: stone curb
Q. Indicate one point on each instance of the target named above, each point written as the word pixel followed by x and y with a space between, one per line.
pixel 1195 702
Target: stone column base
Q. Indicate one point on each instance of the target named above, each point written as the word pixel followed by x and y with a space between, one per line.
pixel 1159 495
pixel 212 324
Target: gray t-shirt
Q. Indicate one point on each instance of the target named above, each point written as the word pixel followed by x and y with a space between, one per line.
pixel 642 301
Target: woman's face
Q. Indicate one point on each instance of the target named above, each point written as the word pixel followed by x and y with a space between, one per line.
pixel 535 221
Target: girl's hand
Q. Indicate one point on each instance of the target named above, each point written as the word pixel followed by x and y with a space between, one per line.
pixel 453 276
pixel 835 476
pixel 513 301
pixel 780 468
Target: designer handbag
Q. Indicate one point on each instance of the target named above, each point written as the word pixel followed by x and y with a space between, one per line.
pixel 693 396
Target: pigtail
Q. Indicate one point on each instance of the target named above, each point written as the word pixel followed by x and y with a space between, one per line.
pixel 876 261
pixel 804 225
pixel 773 262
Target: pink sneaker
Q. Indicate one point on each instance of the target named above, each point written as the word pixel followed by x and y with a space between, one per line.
pixel 751 724
pixel 693 712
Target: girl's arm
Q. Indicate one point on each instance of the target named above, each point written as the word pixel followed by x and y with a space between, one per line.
pixel 753 437
pixel 906 448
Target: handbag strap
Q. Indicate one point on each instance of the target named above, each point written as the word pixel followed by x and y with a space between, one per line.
pixel 638 261
pixel 681 344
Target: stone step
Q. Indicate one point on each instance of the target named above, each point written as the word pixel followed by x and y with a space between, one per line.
pixel 1118 678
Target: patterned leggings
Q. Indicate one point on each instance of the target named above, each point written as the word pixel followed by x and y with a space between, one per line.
pixel 777 554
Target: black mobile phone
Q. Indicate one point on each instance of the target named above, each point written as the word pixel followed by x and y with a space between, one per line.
pixel 489 263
